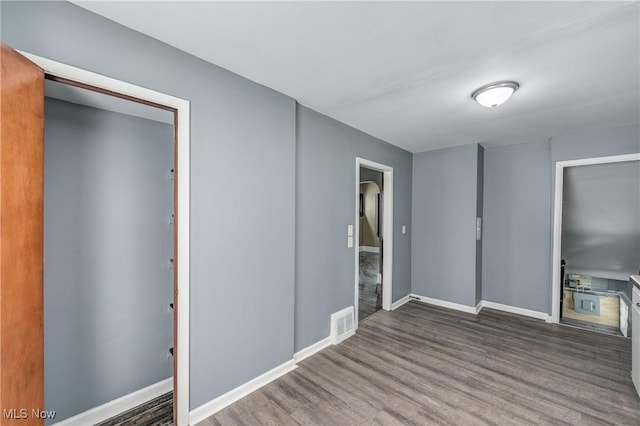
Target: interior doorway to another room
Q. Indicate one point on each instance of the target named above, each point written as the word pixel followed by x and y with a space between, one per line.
pixel 373 238
pixel 596 242
pixel 370 242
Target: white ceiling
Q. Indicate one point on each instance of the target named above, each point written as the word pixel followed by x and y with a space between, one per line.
pixel 404 72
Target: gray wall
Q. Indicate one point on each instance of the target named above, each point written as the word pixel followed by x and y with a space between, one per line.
pixel 107 284
pixel 601 220
pixel 517 230
pixel 589 144
pixel 325 204
pixel 444 224
pixel 596 143
pixel 242 288
pixel 518 209
pixel 367 175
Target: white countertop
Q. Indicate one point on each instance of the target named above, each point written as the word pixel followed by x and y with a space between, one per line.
pixel 635 279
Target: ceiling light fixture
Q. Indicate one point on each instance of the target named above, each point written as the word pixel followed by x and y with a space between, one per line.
pixel 494 94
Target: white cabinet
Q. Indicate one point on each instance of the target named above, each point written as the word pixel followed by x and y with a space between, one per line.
pixel 635 339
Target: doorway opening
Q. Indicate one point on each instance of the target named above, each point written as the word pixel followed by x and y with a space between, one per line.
pixel 370 243
pixel 596 242
pixel 101 180
pixel 373 238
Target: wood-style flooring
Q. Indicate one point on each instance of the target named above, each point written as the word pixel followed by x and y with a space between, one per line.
pixel 370 293
pixel 157 412
pixel 423 365
pixel 587 325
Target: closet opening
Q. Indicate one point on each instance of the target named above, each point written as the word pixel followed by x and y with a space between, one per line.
pixel 109 256
pixel 80 254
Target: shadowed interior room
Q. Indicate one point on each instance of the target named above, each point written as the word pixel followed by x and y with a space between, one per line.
pixel 319 213
pixel 370 243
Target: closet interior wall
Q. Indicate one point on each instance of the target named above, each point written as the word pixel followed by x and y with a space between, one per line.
pixel 108 278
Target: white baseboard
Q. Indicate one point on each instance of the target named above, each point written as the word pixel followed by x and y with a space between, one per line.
pixel 209 408
pixel 119 405
pixel 311 349
pixel 370 249
pixel 444 304
pixel 400 302
pixel 515 310
pixel 483 304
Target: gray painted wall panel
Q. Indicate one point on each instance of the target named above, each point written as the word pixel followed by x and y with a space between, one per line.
pixel 325 204
pixel 519 180
pixel 107 281
pixel 242 134
pixel 590 144
pixel 596 143
pixel 517 233
pixel 444 223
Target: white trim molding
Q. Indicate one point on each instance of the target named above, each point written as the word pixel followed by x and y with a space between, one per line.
pixel 444 303
pixel 182 107
pixel 479 307
pixel 476 309
pixel 119 405
pixel 514 310
pixel 395 305
pixel 312 349
pixel 209 408
pixel 557 220
pixel 387 232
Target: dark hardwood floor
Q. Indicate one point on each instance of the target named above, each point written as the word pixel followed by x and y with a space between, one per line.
pixel 370 293
pixel 157 412
pixel 427 365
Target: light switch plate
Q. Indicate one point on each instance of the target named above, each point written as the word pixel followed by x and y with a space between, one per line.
pixel 404 229
pixel 349 242
pixel 350 231
pixel 478 228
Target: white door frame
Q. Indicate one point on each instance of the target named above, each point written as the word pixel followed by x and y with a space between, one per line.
pixel 387 232
pixel 183 152
pixel 557 220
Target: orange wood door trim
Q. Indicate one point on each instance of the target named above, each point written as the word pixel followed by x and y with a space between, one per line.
pixel 21 239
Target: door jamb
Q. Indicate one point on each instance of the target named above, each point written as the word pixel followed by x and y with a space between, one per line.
pixel 557 220
pixel 182 108
pixel 387 232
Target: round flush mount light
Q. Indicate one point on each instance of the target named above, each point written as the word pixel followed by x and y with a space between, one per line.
pixel 493 94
